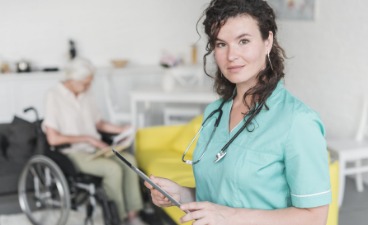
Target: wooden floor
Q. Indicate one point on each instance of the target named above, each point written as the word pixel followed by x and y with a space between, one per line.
pixel 354 210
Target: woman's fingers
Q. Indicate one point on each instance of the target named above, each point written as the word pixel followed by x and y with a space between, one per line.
pixel 196 212
pixel 194 206
pixel 157 197
pixel 148 185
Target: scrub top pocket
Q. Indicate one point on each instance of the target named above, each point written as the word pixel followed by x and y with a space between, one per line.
pixel 260 161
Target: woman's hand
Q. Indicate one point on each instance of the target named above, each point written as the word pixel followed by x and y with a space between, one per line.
pixel 96 142
pixel 169 186
pixel 207 213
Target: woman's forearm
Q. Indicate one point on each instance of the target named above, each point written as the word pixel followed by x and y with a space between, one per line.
pixel 288 216
pixel 109 127
pixel 64 139
pixel 55 138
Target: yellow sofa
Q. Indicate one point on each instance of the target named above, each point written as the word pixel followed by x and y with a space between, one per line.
pixel 159 151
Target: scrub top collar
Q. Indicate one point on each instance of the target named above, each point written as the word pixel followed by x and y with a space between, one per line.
pixel 228 105
pixel 278 89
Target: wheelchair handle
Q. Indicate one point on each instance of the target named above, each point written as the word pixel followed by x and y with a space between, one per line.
pixel 34 110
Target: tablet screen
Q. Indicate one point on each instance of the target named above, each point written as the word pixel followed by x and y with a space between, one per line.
pixel 146 178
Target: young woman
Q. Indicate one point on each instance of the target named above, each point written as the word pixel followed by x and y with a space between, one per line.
pixel 266 162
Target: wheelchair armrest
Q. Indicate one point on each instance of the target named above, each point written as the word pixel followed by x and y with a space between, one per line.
pixel 65 164
pixel 58 148
pixel 107 137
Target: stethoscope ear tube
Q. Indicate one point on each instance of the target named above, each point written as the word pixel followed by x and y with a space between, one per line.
pixel 218 119
pixel 190 162
pixel 222 153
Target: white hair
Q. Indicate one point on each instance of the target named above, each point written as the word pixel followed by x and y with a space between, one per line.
pixel 78 69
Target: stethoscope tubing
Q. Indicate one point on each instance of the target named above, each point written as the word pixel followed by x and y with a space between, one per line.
pixel 218 119
pixel 222 153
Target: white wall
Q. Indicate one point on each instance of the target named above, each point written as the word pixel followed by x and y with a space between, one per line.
pixel 138 30
pixel 327 68
pixel 328 64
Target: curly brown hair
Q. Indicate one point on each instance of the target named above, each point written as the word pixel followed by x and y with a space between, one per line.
pixel 216 15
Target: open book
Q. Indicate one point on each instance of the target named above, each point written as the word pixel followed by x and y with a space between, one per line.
pixel 123 136
pixel 120 142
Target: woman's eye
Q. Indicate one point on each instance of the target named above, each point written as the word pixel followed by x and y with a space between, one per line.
pixel 244 41
pixel 220 45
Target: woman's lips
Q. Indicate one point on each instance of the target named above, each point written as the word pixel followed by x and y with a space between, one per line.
pixel 234 69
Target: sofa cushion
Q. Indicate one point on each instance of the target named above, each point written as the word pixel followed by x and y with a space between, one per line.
pixel 22 140
pixel 149 158
pixel 3 141
pixel 9 176
pixel 3 146
pixel 185 136
pixel 171 167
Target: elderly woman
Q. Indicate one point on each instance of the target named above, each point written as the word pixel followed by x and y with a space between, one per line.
pixel 71 117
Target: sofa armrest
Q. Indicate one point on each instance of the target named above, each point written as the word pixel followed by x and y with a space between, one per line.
pixel 153 143
pixel 333 214
pixel 156 138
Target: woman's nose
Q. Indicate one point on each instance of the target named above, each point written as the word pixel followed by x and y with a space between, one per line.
pixel 232 53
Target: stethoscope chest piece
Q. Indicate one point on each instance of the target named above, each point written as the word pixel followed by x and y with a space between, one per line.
pixel 219 156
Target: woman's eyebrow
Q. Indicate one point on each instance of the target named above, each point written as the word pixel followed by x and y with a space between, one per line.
pixel 243 35
pixel 237 38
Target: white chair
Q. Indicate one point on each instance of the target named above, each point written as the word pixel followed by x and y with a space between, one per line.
pixel 179 115
pixel 187 76
pixel 115 113
pixel 352 151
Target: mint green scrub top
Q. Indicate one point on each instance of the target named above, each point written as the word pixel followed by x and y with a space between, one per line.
pixel 282 163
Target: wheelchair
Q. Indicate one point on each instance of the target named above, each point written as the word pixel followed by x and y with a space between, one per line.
pixel 50 186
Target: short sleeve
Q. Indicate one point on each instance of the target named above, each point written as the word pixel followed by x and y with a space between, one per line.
pixel 306 162
pixel 94 110
pixel 51 109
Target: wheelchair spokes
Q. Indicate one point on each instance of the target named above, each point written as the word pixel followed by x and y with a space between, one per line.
pixel 42 194
pixel 50 186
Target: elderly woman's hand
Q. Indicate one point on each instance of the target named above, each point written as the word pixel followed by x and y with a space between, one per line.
pixel 96 142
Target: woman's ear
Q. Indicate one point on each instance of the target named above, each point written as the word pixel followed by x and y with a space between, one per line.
pixel 269 42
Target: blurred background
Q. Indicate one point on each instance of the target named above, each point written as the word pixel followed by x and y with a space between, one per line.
pixel 327 64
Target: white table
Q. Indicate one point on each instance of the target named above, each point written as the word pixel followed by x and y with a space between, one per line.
pixel 179 95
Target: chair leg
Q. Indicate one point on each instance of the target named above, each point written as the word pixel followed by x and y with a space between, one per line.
pixel 359 177
pixel 141 120
pixel 342 167
pixel 89 214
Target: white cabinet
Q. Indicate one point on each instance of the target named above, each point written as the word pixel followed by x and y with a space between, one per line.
pixel 122 81
pixel 19 91
pixel 6 100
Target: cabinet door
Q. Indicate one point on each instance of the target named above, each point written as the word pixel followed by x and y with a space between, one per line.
pixel 117 85
pixel 32 93
pixel 7 100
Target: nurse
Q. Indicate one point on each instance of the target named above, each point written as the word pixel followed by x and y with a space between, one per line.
pixel 276 164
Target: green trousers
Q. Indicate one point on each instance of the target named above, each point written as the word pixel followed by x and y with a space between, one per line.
pixel 120 183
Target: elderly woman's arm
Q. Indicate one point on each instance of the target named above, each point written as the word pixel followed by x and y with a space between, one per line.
pixel 108 127
pixel 55 138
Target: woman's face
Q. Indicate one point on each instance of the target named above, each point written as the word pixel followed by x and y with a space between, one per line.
pixel 80 86
pixel 240 52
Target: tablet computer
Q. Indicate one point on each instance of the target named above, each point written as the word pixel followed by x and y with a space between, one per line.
pixel 146 178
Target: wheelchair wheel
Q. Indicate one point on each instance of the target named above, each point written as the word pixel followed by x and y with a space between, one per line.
pixel 43 192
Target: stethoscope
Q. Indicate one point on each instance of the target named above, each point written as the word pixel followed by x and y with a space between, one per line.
pixel 222 153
